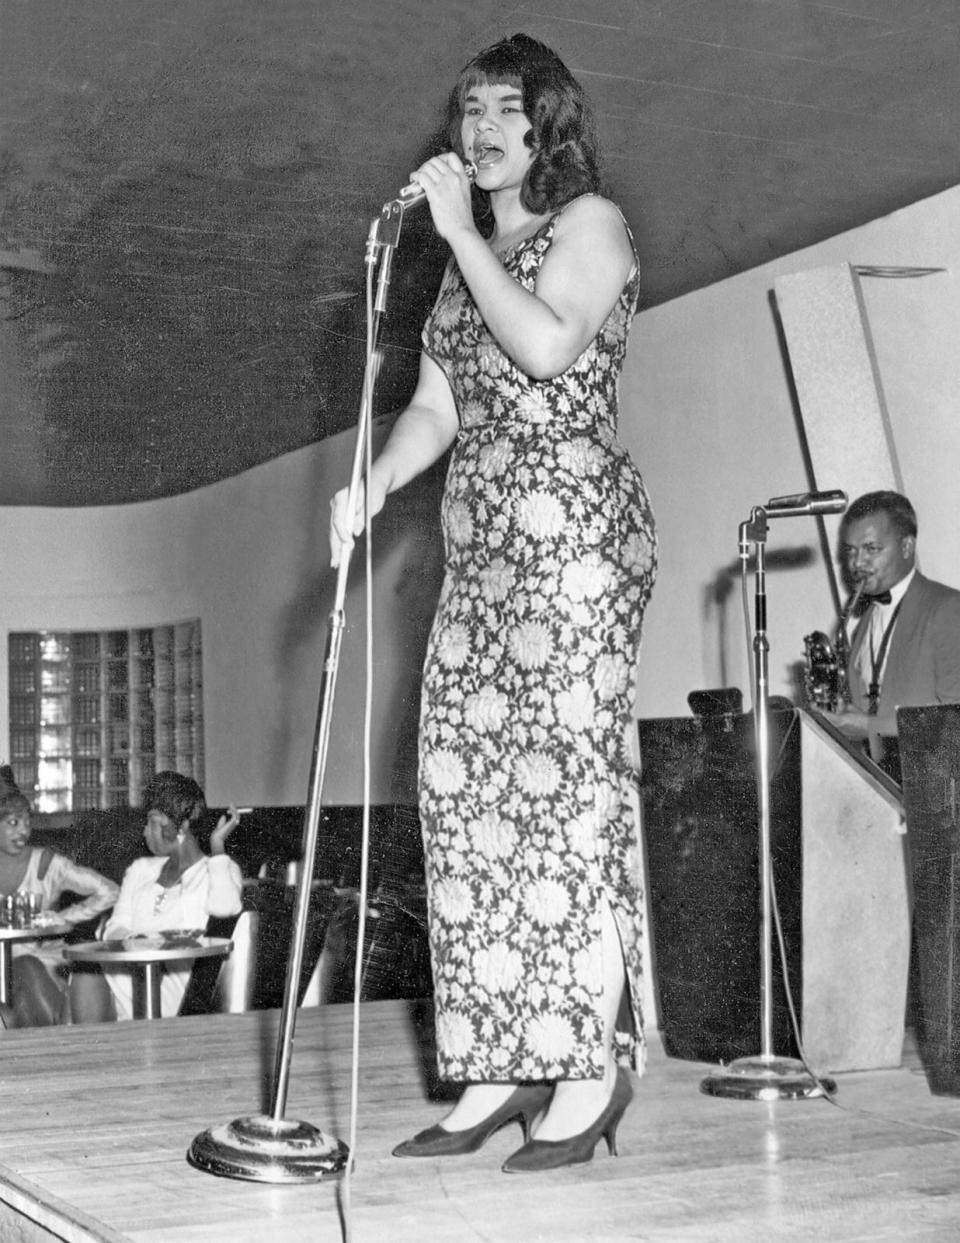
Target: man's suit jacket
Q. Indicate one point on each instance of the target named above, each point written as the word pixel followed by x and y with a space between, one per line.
pixel 923 659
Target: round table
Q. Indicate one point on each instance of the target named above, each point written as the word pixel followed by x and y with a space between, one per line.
pixel 150 953
pixel 8 936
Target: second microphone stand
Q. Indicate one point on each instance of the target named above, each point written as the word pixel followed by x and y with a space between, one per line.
pixel 764 1076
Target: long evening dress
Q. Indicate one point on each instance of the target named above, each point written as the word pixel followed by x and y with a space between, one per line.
pixel 528 689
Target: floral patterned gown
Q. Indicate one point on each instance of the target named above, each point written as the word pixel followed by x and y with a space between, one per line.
pixel 527 692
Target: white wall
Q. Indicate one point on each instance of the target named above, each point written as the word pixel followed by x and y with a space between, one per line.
pixel 708 416
pixel 249 557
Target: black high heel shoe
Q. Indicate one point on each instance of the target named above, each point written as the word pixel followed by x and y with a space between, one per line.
pixel 522 1105
pixel 549 1154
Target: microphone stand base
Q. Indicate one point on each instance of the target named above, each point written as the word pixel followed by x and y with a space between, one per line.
pixel 767 1078
pixel 261 1149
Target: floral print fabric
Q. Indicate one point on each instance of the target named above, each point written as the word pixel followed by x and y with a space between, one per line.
pixel 527 694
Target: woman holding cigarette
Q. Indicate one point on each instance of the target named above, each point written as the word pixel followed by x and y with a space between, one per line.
pixel 176 886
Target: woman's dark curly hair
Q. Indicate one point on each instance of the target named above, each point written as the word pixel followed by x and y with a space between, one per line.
pixel 175 796
pixel 562 130
pixel 11 797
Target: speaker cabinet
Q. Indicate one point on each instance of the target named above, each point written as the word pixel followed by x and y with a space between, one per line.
pixel 840 891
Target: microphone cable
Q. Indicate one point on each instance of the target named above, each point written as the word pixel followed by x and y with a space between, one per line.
pixel 410 196
pixel 770 879
pixel 370 378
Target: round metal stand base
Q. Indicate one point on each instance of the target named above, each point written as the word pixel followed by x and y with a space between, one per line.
pixel 763 1078
pixel 263 1150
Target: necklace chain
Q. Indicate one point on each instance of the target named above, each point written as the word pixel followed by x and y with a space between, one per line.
pixel 160 900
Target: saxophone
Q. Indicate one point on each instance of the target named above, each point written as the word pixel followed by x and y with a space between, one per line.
pixel 825 682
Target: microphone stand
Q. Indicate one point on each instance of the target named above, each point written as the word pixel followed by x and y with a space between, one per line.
pixel 270 1148
pixel 764 1076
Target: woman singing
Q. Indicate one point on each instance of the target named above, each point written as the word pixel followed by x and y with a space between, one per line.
pixel 531 843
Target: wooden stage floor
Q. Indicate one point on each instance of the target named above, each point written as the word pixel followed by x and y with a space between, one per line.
pixel 96 1122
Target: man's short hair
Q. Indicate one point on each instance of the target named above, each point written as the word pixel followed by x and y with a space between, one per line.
pixel 898 509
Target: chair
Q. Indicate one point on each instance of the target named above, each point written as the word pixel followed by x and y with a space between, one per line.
pixel 225 985
pixel 237 977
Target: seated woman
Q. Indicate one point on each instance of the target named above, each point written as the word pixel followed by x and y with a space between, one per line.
pixel 40 996
pixel 176 886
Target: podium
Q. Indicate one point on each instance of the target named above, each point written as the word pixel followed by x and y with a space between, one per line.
pixel 840 885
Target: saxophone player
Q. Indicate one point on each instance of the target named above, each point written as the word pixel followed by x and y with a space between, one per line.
pixel 904 650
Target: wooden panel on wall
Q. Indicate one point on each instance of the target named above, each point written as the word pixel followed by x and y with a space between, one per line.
pixel 845 420
pixel 856 910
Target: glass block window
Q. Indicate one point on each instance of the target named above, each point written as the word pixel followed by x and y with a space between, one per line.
pixel 94 714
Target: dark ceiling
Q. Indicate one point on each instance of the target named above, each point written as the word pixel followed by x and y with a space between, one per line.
pixel 187 189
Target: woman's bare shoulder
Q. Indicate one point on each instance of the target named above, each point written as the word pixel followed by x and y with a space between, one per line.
pixel 591 209
pixel 596 216
pixel 593 228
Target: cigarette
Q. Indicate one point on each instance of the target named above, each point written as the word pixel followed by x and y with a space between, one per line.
pixel 244 811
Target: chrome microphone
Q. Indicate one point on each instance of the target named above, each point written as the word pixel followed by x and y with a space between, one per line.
pixel 806 503
pixel 413 195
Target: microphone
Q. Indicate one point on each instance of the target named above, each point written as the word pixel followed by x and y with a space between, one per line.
pixel 413 195
pixel 806 503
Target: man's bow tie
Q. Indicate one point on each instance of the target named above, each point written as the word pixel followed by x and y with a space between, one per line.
pixel 882 597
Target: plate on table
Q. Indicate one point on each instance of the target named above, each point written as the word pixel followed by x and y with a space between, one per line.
pixel 182 936
pixel 144 942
